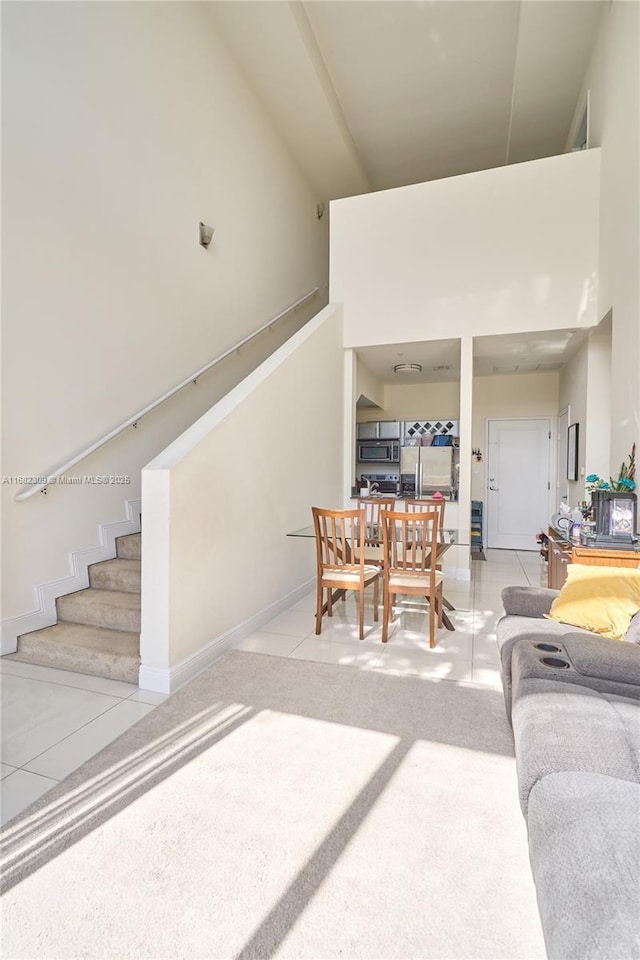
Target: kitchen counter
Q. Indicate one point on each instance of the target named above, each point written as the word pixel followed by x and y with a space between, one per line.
pixel 401 496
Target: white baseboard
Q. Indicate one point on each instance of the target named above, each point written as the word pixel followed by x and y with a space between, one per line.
pixel 46 594
pixel 168 680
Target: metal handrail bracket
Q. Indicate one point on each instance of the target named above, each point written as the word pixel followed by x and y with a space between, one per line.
pixel 52 477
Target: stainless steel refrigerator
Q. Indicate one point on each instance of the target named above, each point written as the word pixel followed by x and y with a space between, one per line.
pixel 427 469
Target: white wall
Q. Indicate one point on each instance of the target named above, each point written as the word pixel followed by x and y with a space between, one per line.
pixel 574 393
pixel 369 386
pixel 124 124
pixel 613 79
pixel 213 559
pixel 598 419
pixel 585 387
pixel 420 400
pixel 508 249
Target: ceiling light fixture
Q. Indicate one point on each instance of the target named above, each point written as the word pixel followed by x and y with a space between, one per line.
pixel 408 368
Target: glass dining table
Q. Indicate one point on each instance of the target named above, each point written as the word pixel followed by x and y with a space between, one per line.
pixel 449 537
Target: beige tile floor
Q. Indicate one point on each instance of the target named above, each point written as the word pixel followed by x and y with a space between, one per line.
pixel 54 720
pixel 469 653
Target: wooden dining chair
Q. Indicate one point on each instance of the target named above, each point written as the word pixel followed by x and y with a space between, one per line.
pixel 410 540
pixel 373 550
pixel 341 564
pixel 429 503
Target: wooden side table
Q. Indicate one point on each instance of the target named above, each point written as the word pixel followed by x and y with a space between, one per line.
pixel 562 552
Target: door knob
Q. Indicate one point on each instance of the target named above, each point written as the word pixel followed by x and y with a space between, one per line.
pixel 493 488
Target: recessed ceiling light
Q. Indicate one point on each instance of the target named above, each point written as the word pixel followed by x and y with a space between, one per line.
pixel 408 368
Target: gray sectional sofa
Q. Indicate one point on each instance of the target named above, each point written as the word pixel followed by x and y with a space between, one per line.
pixel 573 699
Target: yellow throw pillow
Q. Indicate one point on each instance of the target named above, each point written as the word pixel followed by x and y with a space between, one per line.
pixel 600 599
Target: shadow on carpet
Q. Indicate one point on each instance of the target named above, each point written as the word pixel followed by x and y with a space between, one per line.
pixel 204 711
pixel 266 774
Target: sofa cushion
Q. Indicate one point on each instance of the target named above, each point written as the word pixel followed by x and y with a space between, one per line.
pixel 601 599
pixel 528 601
pixel 581 659
pixel 560 726
pixel 597 657
pixel 511 629
pixel 585 858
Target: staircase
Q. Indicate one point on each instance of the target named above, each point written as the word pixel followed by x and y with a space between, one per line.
pixel 98 629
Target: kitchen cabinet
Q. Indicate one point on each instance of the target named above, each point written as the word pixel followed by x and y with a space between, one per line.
pixel 389 429
pixel 562 552
pixel 378 430
pixel 367 431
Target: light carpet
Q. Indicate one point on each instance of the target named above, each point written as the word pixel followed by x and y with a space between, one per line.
pixel 289 809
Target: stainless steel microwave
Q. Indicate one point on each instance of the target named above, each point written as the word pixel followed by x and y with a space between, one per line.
pixel 378 451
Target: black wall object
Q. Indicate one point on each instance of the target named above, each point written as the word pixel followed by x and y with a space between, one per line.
pixel 572 451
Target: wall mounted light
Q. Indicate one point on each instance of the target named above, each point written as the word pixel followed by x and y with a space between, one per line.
pixel 206 234
pixel 408 368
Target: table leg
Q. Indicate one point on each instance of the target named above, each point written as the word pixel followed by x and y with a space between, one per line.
pixel 445 619
pixel 447 622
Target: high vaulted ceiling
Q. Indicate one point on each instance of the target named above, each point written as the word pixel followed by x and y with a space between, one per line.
pixel 372 94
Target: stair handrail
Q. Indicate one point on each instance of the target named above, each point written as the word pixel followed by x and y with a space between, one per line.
pixel 44 481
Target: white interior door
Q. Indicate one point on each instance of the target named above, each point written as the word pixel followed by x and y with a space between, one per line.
pixel 518 482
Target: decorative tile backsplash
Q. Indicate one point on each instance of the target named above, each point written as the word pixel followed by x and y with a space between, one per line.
pixel 418 428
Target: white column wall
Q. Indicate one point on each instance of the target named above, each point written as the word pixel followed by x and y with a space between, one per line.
pixel 351 393
pixel 466 425
pixel 586 387
pixel 598 415
pixel 218 504
pixel 574 393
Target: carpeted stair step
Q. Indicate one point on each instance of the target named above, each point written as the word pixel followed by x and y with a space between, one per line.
pixel 83 649
pixel 129 547
pixel 113 609
pixel 119 574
